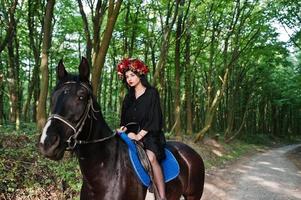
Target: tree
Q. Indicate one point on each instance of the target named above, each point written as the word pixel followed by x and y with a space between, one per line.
pixel 34 23
pixel 41 109
pixel 287 13
pixel 219 65
pixel 171 16
pixel 177 99
pixel 9 22
pixel 7 19
pixel 97 19
pixel 99 60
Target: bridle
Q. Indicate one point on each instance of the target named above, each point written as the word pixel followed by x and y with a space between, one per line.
pixel 77 128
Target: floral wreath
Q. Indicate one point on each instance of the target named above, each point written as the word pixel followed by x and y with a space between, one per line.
pixel 134 65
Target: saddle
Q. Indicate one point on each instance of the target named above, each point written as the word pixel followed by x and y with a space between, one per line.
pixel 169 165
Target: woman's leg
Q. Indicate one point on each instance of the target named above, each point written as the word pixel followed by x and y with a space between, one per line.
pixel 158 174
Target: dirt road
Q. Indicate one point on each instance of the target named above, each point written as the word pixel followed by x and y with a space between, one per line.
pixel 270 175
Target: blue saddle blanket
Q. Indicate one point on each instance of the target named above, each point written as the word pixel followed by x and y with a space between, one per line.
pixel 169 165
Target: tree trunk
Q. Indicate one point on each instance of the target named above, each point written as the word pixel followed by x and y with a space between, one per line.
pixel 230 117
pixel 41 109
pixel 134 32
pixel 10 26
pixel 245 106
pixel 177 97
pixel 35 44
pixel 188 85
pixel 101 54
pixel 87 32
pixel 164 48
pixel 19 91
pixel 1 97
pixel 12 82
pixel 210 112
pixel 8 41
pixel 31 88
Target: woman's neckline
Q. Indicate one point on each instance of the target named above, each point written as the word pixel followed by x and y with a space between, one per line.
pixel 141 94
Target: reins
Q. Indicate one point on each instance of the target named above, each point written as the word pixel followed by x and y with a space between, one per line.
pixel 72 140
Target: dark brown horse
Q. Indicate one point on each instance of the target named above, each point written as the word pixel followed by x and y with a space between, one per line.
pixel 77 124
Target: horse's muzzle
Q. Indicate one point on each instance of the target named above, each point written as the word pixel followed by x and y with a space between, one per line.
pixel 52 151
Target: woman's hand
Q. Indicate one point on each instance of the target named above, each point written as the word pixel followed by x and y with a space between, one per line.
pixel 133 136
pixel 121 129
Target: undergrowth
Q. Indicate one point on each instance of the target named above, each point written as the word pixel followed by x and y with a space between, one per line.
pixel 25 174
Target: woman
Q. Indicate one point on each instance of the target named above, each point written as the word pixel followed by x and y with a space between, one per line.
pixel 142 106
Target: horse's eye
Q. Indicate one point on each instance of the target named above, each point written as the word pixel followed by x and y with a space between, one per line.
pixel 81 98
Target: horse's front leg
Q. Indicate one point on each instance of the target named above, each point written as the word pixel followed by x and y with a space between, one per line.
pixel 137 192
pixel 86 193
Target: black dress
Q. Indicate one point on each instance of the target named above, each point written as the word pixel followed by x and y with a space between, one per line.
pixel 146 111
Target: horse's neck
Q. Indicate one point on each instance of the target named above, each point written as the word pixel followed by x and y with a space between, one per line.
pixel 98 159
pixel 106 164
pixel 95 130
pixel 100 127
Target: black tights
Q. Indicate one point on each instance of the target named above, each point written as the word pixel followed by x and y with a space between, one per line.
pixel 158 174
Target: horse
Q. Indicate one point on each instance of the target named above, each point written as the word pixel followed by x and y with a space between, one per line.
pixel 77 124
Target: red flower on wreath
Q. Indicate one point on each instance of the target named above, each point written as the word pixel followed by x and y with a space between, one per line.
pixel 134 65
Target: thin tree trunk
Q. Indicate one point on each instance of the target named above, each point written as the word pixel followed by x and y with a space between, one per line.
pixel 87 32
pixel 41 109
pixel 177 106
pixel 164 48
pixel 10 26
pixel 35 44
pixel 188 85
pixel 126 19
pixel 12 82
pixel 1 96
pixel 212 109
pixel 274 126
pixel 18 82
pixel 36 94
pixel 245 105
pixel 227 140
pixel 101 54
pixel 134 32
pixel 230 117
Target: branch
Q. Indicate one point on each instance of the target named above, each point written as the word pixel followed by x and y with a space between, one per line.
pixel 291 38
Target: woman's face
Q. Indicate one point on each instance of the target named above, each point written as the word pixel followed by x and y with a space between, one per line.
pixel 132 79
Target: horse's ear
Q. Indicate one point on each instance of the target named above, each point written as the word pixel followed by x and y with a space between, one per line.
pixel 84 70
pixel 61 71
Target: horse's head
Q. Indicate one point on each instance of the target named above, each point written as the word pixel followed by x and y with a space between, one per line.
pixel 71 102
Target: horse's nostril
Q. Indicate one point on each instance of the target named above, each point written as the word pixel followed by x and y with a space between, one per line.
pixel 48 147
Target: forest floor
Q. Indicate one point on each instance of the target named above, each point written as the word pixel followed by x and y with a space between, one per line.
pixel 26 175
